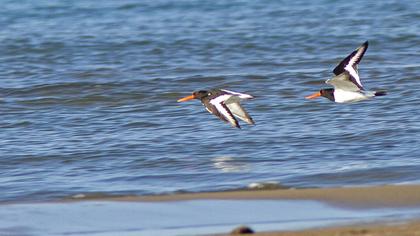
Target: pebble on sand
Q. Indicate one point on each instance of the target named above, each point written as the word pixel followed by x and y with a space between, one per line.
pixel 242 230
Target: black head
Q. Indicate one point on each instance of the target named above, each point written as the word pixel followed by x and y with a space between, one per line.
pixel 201 94
pixel 328 93
pixel 207 94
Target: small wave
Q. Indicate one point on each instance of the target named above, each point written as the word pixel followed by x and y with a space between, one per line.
pixel 141 124
pixel 94 196
pixel 128 6
pixel 203 79
pixel 22 123
pixel 266 185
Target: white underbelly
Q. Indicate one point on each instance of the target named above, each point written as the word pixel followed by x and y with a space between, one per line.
pixel 342 96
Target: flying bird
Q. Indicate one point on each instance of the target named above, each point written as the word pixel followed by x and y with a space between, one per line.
pixel 224 104
pixel 346 82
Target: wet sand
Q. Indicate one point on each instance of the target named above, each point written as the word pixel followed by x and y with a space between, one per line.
pixel 359 197
pixel 364 197
pixel 355 197
pixel 398 229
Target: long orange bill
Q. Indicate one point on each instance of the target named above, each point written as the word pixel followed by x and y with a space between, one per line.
pixel 187 98
pixel 315 95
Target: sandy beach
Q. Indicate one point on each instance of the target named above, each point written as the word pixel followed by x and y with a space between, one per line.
pixel 398 229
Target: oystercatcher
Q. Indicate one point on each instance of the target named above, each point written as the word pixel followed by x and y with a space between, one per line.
pixel 224 104
pixel 346 82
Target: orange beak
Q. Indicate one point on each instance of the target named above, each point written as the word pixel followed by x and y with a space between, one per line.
pixel 187 98
pixel 315 95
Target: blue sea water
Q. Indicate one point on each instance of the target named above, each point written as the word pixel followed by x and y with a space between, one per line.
pixel 88 96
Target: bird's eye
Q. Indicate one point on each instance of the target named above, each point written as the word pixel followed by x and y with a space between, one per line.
pixel 209 94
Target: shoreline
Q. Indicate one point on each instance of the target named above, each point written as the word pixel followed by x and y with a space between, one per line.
pixel 355 197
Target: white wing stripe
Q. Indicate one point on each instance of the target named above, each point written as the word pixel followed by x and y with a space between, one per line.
pixel 353 73
pixel 217 102
pixel 222 98
pixel 355 57
pixel 225 113
pixel 351 66
pixel 240 95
